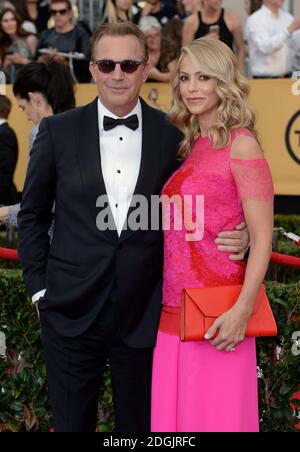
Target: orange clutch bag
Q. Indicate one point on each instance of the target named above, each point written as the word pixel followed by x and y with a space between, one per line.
pixel 201 307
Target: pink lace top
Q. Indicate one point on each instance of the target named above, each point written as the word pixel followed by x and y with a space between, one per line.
pixel 207 190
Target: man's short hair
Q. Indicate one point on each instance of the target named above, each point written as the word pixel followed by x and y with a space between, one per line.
pixel 120 29
pixel 67 2
pixel 5 106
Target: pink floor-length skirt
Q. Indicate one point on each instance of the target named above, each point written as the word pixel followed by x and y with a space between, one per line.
pixel 196 388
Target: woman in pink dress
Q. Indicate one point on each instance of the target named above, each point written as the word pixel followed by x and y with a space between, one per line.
pixel 211 385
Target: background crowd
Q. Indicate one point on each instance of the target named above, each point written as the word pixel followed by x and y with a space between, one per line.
pixel 267 44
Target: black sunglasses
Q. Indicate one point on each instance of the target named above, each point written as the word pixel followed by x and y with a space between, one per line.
pixel 128 66
pixel 61 12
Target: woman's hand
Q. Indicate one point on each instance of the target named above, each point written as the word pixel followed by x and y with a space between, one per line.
pixel 232 327
pixel 3 214
pixel 16 58
pixel 60 59
pixel 51 55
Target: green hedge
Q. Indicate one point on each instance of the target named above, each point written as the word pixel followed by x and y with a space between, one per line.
pixel 23 392
pixel 279 361
pixel 24 405
pixel 291 223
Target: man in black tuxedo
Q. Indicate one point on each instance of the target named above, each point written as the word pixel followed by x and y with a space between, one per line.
pixel 103 285
pixel 8 155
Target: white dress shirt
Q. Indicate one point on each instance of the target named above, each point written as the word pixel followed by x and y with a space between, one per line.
pixel 3 121
pixel 295 44
pixel 269 52
pixel 121 151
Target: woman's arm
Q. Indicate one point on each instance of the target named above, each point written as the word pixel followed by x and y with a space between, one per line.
pixel 9 215
pixel 32 43
pixel 155 74
pixel 189 29
pixel 258 211
pixel 235 27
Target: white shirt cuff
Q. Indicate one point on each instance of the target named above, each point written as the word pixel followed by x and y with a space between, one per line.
pixel 38 295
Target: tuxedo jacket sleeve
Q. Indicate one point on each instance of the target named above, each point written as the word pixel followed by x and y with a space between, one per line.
pixel 35 216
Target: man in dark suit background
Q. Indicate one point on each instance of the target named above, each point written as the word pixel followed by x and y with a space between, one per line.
pixel 98 290
pixel 8 155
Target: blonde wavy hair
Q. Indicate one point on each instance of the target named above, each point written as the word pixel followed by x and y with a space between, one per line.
pixel 233 111
pixel 111 13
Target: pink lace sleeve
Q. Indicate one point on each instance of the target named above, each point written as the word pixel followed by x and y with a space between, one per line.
pixel 253 179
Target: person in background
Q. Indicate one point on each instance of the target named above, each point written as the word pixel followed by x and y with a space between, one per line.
pixel 295 46
pixel 20 7
pixel 41 90
pixel 38 13
pixel 171 43
pixel 163 12
pixel 152 30
pixel 187 7
pixel 65 37
pixel 91 13
pixel 8 154
pixel 268 32
pixel 118 11
pixel 251 6
pixel 17 47
pixel 210 385
pixel 218 23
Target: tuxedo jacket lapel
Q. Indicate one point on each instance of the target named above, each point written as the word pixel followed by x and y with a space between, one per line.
pixel 150 158
pixel 90 163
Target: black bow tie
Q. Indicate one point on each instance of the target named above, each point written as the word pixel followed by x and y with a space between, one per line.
pixel 110 123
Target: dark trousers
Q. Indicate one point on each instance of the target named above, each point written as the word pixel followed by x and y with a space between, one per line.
pixel 74 373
